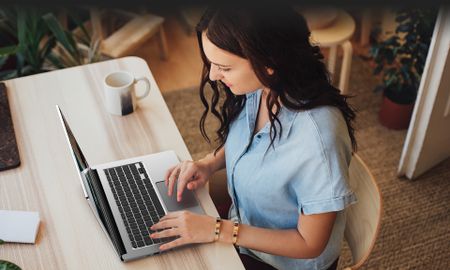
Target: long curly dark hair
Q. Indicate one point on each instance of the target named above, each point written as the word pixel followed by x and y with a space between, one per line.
pixel 269 36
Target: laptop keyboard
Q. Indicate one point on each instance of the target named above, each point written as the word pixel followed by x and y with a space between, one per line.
pixel 137 201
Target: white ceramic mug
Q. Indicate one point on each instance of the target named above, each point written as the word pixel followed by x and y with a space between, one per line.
pixel 120 92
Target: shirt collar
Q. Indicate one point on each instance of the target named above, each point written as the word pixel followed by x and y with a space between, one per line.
pixel 285 115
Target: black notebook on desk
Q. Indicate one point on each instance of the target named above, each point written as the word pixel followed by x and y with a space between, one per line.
pixel 9 154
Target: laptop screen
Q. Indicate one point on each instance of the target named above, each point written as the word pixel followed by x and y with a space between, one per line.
pixel 76 150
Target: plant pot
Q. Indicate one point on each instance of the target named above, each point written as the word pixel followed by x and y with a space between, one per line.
pixel 395 116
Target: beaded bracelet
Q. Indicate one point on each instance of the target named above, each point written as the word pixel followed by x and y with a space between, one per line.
pixel 217 229
pixel 235 232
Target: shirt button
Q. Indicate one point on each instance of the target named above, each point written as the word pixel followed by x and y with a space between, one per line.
pixel 258 136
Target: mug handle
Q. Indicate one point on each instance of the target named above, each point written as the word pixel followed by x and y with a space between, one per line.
pixel 147 87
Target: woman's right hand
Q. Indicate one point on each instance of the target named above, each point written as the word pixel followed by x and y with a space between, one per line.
pixel 188 174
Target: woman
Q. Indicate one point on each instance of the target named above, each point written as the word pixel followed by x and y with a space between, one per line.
pixel 286 141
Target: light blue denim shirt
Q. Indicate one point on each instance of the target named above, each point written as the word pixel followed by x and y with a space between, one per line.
pixel 307 171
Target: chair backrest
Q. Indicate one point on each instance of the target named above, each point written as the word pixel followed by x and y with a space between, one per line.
pixel 363 217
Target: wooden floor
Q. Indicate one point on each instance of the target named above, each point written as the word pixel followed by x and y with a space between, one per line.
pixel 182 69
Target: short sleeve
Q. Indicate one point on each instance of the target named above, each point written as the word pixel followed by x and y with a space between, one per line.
pixel 322 183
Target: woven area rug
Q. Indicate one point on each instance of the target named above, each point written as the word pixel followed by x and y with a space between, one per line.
pixel 415 230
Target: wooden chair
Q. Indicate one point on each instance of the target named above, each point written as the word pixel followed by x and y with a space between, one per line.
pixel 218 190
pixel 130 36
pixel 364 217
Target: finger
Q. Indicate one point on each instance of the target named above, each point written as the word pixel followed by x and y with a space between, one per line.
pixel 168 172
pixel 172 244
pixel 194 184
pixel 165 233
pixel 170 215
pixel 173 177
pixel 183 179
pixel 191 185
pixel 161 225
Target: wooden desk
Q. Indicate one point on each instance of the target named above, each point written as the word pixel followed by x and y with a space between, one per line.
pixel 46 181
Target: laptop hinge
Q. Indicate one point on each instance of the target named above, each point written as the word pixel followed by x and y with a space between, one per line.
pixel 84 183
pixel 104 214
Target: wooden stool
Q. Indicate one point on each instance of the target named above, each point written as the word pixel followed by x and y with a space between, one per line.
pixel 334 35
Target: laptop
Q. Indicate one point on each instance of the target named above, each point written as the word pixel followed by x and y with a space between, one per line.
pixel 128 196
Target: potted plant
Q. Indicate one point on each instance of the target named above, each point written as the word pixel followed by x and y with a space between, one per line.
pixel 34 41
pixel 6 265
pixel 400 59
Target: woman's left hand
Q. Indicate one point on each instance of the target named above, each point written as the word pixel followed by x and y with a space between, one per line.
pixel 190 227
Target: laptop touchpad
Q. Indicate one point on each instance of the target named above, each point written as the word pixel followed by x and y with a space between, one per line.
pixel 188 199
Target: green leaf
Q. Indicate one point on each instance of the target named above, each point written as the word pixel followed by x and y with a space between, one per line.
pixel 373 50
pixel 378 69
pixel 22 30
pixel 3 60
pixel 391 71
pixel 47 48
pixel 65 39
pixel 5 51
pixel 390 57
pixel 402 28
pixel 7 26
pixel 406 73
pixel 56 61
pixel 1 242
pixel 391 41
pixel 41 31
pixel 401 18
pixel 5 265
pixel 407 47
pixel 20 62
pixel 419 68
pixel 94 51
pixel 74 16
pixel 28 70
pixel 390 80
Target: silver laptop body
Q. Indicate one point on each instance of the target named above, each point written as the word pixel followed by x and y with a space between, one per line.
pixel 128 196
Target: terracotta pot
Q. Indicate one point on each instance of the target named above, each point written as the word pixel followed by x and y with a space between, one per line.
pixel 395 116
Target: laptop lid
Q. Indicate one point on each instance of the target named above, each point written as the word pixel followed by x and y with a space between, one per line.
pixel 77 154
pixel 92 189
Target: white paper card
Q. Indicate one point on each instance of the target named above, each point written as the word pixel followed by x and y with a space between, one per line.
pixel 18 226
